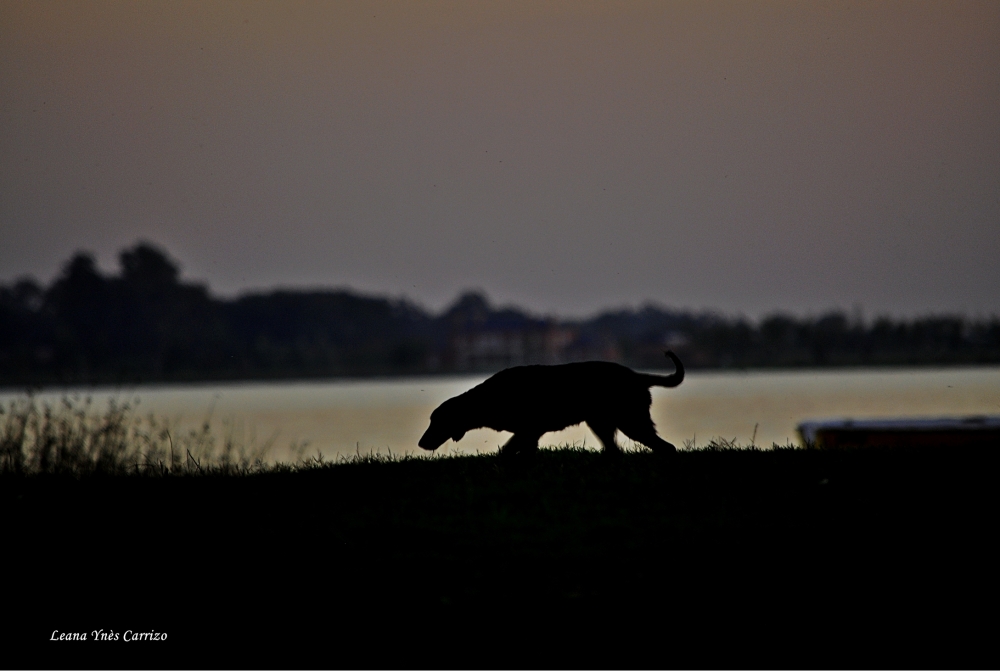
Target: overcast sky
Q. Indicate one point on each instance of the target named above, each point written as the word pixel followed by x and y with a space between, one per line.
pixel 566 157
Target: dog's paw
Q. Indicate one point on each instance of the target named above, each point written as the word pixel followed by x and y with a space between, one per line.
pixel 666 452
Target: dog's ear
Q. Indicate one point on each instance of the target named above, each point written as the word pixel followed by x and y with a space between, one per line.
pixel 458 436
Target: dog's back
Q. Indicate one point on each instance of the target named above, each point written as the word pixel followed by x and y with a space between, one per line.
pixel 586 382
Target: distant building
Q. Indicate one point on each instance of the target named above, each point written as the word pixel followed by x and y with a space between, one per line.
pixel 483 339
pixel 494 346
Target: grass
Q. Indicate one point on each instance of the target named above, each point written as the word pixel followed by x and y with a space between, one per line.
pixel 726 555
pixel 73 438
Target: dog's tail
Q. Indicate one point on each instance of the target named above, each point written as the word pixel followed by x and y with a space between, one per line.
pixel 667 380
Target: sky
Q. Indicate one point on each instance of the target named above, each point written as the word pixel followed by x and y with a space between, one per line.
pixel 746 157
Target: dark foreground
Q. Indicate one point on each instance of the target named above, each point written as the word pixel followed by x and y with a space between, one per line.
pixel 791 558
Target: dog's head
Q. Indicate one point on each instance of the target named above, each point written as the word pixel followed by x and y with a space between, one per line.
pixel 447 421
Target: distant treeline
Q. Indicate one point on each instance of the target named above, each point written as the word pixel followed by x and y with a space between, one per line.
pixel 145 324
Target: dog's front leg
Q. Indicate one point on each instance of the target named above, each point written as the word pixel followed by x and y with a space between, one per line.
pixel 605 432
pixel 520 443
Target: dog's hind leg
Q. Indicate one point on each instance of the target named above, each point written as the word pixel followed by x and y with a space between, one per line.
pixel 644 431
pixel 605 432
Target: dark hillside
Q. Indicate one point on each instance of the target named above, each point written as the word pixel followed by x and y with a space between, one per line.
pixel 785 558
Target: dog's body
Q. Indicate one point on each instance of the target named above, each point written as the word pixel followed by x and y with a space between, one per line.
pixel 532 400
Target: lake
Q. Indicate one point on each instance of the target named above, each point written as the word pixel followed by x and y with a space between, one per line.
pixel 349 416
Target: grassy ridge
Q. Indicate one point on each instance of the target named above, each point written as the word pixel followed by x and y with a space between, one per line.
pixel 715 557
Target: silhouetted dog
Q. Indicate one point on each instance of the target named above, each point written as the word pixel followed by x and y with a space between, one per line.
pixel 532 400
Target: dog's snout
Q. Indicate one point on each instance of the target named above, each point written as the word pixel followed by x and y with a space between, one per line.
pixel 428 441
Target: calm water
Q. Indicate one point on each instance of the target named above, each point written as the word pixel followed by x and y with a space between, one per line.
pixel 379 416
